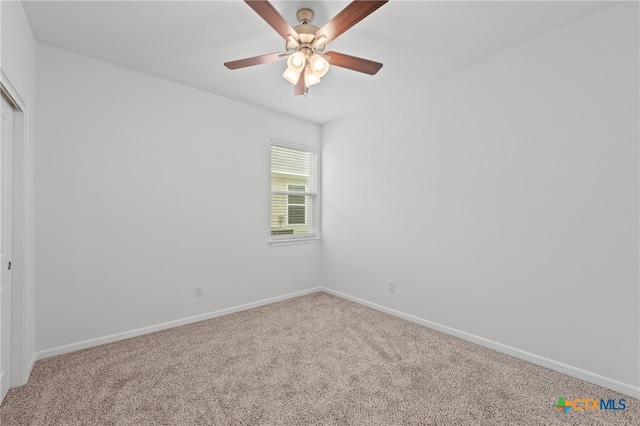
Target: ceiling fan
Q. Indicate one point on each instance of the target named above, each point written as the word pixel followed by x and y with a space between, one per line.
pixel 305 43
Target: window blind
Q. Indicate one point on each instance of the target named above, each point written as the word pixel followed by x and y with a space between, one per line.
pixel 294 192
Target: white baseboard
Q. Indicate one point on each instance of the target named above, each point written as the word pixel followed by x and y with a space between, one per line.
pixel 569 370
pixel 47 353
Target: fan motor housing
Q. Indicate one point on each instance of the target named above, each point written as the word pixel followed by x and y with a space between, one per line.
pixel 306 31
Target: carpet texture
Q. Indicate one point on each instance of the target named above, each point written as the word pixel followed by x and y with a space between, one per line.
pixel 312 360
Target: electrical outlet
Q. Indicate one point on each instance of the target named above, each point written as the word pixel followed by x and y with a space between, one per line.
pixel 199 291
pixel 391 286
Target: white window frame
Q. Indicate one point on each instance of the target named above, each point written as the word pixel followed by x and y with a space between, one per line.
pixel 313 200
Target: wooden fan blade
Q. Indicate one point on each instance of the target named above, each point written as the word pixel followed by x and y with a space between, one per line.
pixel 299 89
pixel 272 17
pixel 256 60
pixel 355 12
pixel 353 63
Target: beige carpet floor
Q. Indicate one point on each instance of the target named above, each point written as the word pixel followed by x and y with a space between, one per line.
pixel 312 360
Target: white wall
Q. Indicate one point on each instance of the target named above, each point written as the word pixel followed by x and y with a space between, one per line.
pixel 505 203
pixel 18 63
pixel 146 188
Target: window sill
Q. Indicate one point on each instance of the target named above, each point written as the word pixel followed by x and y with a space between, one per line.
pixel 294 241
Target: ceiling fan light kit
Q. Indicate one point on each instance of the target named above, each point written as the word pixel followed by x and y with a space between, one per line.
pixel 305 43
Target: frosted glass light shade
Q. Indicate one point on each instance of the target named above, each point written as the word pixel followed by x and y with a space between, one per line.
pixel 291 75
pixel 296 61
pixel 310 78
pixel 318 65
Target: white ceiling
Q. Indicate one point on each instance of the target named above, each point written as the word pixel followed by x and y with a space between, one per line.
pixel 188 41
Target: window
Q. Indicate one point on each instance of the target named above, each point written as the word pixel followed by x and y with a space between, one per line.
pixel 294 192
pixel 297 207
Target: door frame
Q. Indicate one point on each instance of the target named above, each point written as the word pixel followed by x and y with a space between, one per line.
pixel 21 295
